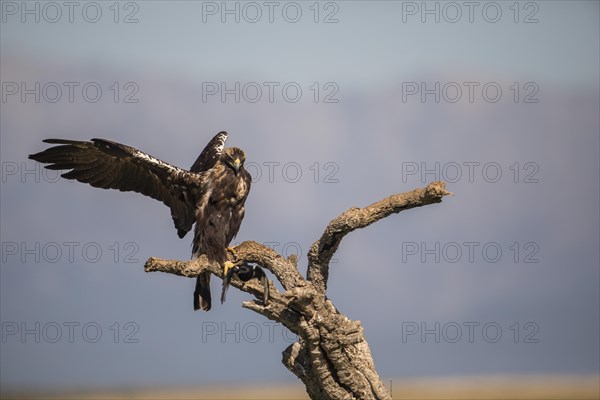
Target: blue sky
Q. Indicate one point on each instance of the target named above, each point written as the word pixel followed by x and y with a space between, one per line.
pixel 505 111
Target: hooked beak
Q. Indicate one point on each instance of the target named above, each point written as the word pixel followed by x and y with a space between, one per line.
pixel 236 165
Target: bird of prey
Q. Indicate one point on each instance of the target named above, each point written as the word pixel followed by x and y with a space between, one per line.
pixel 211 194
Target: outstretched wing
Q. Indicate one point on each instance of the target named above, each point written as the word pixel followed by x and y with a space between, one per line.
pixel 110 165
pixel 211 153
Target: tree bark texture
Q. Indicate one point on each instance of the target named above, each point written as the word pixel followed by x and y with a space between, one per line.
pixel 332 356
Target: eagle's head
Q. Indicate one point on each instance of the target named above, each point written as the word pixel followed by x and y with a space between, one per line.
pixel 234 158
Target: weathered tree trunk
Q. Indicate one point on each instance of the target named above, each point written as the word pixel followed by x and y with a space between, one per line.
pixel 332 356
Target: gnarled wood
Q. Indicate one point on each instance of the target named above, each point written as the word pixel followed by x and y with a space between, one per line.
pixel 332 356
pixel 322 250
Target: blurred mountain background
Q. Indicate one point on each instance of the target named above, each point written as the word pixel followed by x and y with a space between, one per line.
pixel 500 280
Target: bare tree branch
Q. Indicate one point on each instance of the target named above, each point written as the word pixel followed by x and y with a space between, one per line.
pixel 331 356
pixel 284 269
pixel 322 250
pixel 250 252
pixel 193 268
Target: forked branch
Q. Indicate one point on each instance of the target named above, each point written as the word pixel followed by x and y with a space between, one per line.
pixel 322 250
pixel 332 356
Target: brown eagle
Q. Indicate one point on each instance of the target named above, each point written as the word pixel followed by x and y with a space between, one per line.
pixel 211 194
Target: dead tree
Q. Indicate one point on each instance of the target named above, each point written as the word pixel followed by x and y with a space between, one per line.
pixel 332 356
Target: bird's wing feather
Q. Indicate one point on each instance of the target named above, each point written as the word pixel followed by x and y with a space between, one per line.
pixel 109 165
pixel 211 153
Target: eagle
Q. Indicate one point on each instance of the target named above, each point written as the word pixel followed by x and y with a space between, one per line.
pixel 211 194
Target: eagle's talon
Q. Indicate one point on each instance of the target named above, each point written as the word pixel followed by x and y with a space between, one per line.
pixel 233 253
pixel 226 267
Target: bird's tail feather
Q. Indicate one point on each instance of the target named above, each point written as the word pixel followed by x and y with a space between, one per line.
pixel 202 300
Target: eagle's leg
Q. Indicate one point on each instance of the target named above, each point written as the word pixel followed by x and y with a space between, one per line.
pixel 232 251
pixel 230 264
pixel 226 267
